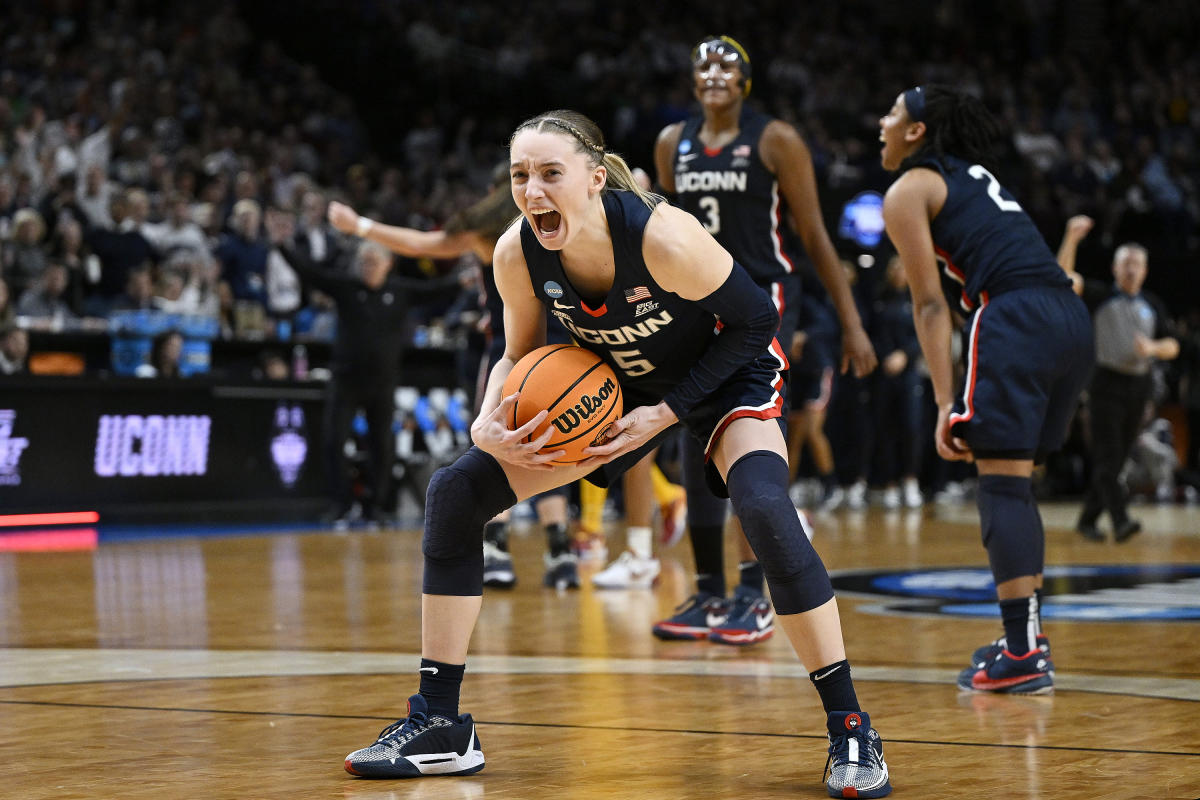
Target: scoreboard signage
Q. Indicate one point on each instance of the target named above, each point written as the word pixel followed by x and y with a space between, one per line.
pixel 123 444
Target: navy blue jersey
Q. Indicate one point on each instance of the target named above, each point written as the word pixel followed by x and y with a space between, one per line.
pixel 984 239
pixel 735 196
pixel 649 336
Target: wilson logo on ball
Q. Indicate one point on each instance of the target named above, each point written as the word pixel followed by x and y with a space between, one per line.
pixel 579 392
pixel 588 405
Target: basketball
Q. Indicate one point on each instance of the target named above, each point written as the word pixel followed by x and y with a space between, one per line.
pixel 579 391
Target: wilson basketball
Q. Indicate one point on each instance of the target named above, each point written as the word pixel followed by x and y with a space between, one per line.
pixel 579 391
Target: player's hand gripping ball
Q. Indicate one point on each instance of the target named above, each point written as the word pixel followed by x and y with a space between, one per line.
pixel 576 387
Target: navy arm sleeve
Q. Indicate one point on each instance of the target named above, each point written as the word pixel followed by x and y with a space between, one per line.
pixel 748 323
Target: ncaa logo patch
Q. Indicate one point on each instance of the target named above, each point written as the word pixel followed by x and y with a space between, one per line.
pixel 685 146
pixel 552 289
pixel 1080 593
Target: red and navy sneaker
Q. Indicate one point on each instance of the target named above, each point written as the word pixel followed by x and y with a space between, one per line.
pixel 1010 674
pixel 855 767
pixel 420 744
pixel 987 653
pixel 751 619
pixel 694 618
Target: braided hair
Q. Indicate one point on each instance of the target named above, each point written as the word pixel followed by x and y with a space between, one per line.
pixel 589 140
pixel 958 124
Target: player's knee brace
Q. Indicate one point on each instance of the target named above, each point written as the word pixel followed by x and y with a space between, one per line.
pixel 1011 526
pixel 460 500
pixel 758 488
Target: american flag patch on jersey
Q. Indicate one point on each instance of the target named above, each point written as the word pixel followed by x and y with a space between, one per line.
pixel 741 151
pixel 637 293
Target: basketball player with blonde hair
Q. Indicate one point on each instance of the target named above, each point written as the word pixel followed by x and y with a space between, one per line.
pixel 595 249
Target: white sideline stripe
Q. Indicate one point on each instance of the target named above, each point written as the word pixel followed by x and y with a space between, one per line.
pixel 31 667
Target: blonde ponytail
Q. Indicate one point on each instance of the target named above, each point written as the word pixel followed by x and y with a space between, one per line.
pixel 620 176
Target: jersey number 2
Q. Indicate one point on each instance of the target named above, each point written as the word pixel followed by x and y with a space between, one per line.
pixel 712 208
pixel 978 172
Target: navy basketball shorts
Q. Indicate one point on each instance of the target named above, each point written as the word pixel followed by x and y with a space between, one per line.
pixel 757 390
pixel 1028 356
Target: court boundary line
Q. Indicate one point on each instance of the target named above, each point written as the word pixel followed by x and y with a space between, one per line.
pixel 62 666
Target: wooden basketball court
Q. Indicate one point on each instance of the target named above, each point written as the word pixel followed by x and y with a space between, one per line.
pixel 247 666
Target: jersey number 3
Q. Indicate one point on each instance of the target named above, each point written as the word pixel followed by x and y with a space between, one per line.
pixel 978 172
pixel 712 209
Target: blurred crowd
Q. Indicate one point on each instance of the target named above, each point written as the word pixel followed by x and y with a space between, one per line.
pixel 150 158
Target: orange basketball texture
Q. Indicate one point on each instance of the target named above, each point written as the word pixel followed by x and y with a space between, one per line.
pixel 580 392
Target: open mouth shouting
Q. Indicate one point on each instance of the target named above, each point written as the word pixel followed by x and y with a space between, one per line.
pixel 547 221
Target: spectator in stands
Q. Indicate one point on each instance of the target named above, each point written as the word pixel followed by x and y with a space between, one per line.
pixel 83 268
pixel 14 350
pixel 196 273
pixel 272 366
pixel 177 231
pixel 166 353
pixel 7 311
pixel 1036 144
pixel 314 236
pixel 95 197
pixel 121 250
pixel 44 300
pixel 283 284
pixel 243 253
pixel 139 290
pixel 137 207
pixel 168 290
pixel 59 204
pixel 23 256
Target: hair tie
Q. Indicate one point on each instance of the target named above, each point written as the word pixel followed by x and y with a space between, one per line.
pixel 914 101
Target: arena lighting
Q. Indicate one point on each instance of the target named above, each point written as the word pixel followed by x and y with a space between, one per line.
pixel 59 518
pixel 47 541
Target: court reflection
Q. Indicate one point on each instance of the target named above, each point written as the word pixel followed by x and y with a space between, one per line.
pixel 150 595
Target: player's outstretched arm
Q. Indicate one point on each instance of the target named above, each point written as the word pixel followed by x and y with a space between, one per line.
pixel 404 241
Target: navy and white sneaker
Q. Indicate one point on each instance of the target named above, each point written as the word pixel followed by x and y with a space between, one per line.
pixel 1031 673
pixel 855 766
pixel 988 652
pixel 695 618
pixel 497 567
pixel 420 744
pixel 751 619
pixel 562 571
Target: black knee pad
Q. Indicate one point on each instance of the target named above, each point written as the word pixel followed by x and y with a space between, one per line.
pixel 1010 526
pixel 797 578
pixel 460 500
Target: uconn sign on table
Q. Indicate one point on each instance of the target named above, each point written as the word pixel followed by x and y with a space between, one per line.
pixel 129 445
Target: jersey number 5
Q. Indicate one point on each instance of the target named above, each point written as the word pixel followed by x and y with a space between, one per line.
pixel 978 172
pixel 630 363
pixel 712 208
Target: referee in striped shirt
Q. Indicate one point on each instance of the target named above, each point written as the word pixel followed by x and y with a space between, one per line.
pixel 1132 331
